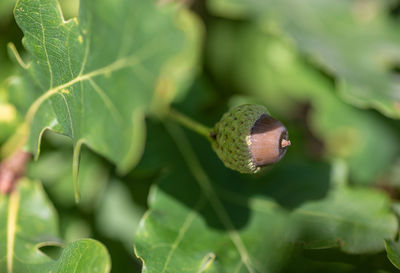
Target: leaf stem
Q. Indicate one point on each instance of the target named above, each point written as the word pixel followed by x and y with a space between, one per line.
pixel 191 124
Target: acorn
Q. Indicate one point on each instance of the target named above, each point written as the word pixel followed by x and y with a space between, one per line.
pixel 247 138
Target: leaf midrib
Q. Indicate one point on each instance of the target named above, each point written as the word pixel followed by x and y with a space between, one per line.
pixel 117 65
pixel 12 228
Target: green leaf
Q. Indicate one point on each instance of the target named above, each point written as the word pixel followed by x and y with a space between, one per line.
pixel 98 74
pixel 393 252
pixel 190 228
pixel 122 225
pixel 28 222
pixel 332 260
pixel 359 51
pixel 335 261
pixel 9 120
pixel 220 221
pixel 73 227
pixel 55 171
pixel 357 220
pixel 6 10
pixel 70 8
pixel 190 237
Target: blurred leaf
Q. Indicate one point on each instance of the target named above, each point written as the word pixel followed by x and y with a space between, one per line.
pixel 28 222
pixel 156 144
pixel 20 93
pixel 263 67
pixel 9 32
pixel 333 260
pixel 393 252
pixel 74 228
pixel 359 51
pixel 55 170
pixel 6 10
pixel 357 220
pixel 94 89
pixel 70 8
pixel 179 72
pixel 121 225
pixel 9 116
pixel 300 264
pixel 9 120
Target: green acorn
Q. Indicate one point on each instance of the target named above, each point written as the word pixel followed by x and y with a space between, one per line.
pixel 247 138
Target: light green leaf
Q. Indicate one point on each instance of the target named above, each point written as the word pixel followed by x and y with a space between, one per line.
pixel 393 252
pixel 359 51
pixel 179 72
pixel 55 171
pixel 122 225
pixel 6 10
pixel 74 228
pixel 28 222
pixel 9 120
pixel 98 73
pixel 70 8
pixel 356 220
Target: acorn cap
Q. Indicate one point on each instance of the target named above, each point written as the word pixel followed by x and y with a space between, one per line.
pixel 247 138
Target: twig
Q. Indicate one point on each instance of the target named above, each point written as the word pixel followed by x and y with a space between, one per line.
pixel 12 169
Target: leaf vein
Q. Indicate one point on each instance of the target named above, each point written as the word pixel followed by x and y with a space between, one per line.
pixel 186 224
pixel 69 56
pixel 44 44
pixel 11 228
pixel 109 104
pixel 69 115
pixel 116 65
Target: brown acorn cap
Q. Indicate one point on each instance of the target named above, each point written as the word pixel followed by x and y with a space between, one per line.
pixel 268 141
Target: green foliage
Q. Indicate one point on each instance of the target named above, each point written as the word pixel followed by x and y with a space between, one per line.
pixel 364 39
pixel 76 76
pixel 348 133
pixel 393 252
pixel 331 222
pixel 117 76
pixel 28 224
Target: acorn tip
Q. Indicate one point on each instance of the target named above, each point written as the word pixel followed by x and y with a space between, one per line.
pixel 285 143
